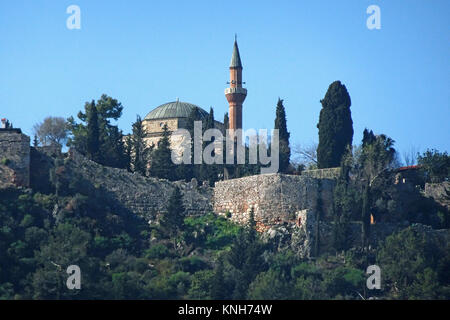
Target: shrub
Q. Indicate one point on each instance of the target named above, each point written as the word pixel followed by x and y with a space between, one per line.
pixel 6 161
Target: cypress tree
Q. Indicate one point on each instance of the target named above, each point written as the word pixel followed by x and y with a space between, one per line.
pixel 139 157
pixel 161 165
pixel 335 126
pixel 173 221
pixel 365 215
pixel 218 285
pixel 210 171
pixel 226 122
pixel 280 124
pixel 93 132
pixel 128 152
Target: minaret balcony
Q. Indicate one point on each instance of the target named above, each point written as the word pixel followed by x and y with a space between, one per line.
pixel 236 90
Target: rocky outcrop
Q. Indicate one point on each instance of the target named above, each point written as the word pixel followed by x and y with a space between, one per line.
pixel 440 192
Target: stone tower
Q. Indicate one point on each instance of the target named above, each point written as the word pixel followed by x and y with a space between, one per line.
pixel 235 94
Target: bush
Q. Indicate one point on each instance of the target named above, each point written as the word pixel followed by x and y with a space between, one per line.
pixel 158 251
pixel 6 161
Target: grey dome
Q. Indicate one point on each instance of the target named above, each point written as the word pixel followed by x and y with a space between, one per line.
pixel 175 109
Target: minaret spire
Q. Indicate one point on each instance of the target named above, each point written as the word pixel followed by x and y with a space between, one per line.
pixel 235 94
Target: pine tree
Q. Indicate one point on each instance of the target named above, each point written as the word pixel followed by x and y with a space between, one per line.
pixel 335 126
pixel 161 165
pixel 93 132
pixel 97 138
pixel 280 124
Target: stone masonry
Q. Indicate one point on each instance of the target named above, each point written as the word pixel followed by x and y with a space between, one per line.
pixel 14 158
pixel 275 198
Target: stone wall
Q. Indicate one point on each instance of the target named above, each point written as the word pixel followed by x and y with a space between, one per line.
pixel 14 158
pixel 329 173
pixel 144 196
pixel 275 198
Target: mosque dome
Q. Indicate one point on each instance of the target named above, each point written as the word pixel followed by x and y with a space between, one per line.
pixel 175 109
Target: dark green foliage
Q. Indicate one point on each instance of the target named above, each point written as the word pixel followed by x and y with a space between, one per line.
pixel 280 124
pixel 226 122
pixel 95 136
pixel 335 126
pixel 209 172
pixel 218 284
pixel 173 220
pixel 365 217
pixel 137 149
pixel 415 265
pixel 161 165
pixel 93 132
pixel 435 165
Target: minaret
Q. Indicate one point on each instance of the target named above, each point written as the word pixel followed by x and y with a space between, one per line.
pixel 235 94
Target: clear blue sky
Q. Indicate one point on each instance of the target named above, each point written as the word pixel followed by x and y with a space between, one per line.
pixel 146 53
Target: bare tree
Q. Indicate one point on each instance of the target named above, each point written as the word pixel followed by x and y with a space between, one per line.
pixel 52 131
pixel 410 156
pixel 305 154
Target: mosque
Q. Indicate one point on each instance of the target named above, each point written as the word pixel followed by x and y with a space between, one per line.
pixel 174 114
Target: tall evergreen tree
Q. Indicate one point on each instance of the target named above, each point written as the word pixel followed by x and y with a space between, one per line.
pixel 161 165
pixel 210 172
pixel 139 149
pixel 226 122
pixel 280 124
pixel 192 170
pixel 218 285
pixel 335 126
pixel 173 220
pixel 93 132
pixel 128 152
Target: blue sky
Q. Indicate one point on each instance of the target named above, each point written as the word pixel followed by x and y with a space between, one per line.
pixel 146 53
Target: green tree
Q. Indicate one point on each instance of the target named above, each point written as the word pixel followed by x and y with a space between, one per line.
pixel 335 126
pixel 172 221
pixel 218 285
pixel 280 124
pixel 161 165
pixel 435 165
pixel 226 122
pixel 270 285
pixel 246 257
pixel 139 149
pixel 210 172
pixel 93 132
pixel 414 265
